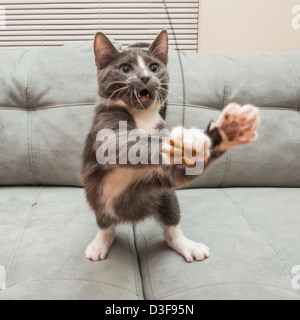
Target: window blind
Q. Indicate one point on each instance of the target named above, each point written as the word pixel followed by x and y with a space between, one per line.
pixel 32 23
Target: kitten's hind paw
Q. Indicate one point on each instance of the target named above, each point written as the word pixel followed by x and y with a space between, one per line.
pixel 98 248
pixel 237 125
pixel 96 252
pixel 189 249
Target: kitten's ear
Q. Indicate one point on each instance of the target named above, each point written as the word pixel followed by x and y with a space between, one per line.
pixel 105 52
pixel 160 47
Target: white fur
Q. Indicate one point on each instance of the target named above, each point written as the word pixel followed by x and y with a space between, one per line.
pixel 98 248
pixel 189 249
pixel 143 66
pixel 147 119
pixel 192 139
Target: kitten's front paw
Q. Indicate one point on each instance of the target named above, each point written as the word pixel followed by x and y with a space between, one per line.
pixel 237 125
pixel 186 146
pixel 98 248
pixel 190 250
pixel 96 252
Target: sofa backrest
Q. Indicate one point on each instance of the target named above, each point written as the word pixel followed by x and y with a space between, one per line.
pixel 47 99
pixel 270 81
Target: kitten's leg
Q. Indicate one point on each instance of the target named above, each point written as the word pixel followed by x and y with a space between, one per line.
pixel 169 217
pixel 98 248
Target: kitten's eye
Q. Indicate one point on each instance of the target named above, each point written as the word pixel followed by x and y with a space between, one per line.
pixel 154 67
pixel 126 69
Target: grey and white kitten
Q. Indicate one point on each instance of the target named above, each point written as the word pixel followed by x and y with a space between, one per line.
pixel 133 87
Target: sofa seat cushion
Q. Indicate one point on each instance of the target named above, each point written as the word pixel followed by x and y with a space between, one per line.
pixel 42 248
pixel 254 239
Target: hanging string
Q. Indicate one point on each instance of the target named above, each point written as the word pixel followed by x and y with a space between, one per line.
pixel 180 62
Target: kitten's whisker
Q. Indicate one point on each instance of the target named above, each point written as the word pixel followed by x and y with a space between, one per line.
pixel 114 82
pixel 131 98
pixel 136 95
pixel 165 77
pixel 110 98
pixel 159 98
pixel 162 100
pixel 120 89
pixel 121 92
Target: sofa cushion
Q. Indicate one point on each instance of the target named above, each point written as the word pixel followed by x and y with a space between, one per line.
pixel 47 99
pixel 254 239
pixel 42 248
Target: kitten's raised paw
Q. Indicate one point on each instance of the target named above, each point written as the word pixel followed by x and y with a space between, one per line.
pixel 237 125
pixel 186 146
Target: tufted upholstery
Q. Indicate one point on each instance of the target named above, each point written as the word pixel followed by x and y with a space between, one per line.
pixel 246 207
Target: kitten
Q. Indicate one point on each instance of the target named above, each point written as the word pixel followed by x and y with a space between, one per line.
pixel 133 87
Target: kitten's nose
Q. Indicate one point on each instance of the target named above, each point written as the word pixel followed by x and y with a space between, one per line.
pixel 145 79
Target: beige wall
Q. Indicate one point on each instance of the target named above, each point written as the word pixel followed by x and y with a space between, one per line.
pixel 249 25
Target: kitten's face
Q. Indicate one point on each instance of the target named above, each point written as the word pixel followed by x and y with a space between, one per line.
pixel 138 76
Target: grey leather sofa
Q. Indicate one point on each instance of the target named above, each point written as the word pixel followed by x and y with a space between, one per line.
pixel 246 208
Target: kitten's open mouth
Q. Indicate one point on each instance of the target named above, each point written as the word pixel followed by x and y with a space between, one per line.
pixel 143 95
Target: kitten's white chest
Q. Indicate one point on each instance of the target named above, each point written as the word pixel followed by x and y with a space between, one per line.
pixel 147 119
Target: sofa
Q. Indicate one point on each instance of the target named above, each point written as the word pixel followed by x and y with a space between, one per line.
pixel 246 207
